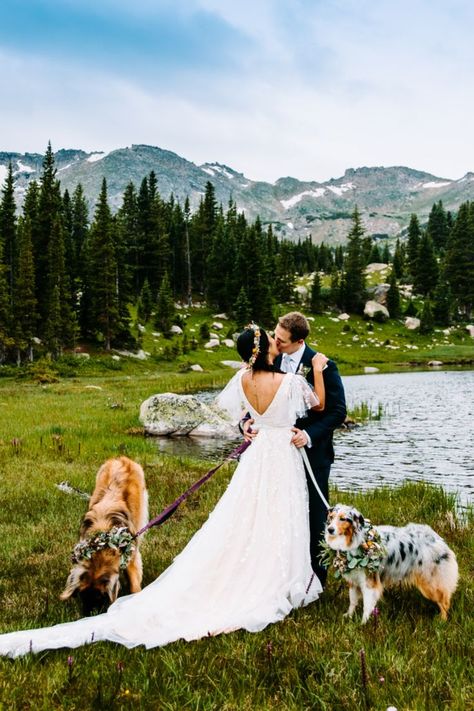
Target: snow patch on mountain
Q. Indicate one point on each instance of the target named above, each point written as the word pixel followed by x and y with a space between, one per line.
pixel 297 198
pixel 94 157
pixel 3 173
pixel 22 168
pixel 213 168
pixel 435 185
pixel 340 189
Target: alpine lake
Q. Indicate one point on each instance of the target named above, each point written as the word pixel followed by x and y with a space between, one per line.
pixel 424 431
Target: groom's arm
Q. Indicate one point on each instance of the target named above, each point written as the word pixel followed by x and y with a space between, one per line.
pixel 335 411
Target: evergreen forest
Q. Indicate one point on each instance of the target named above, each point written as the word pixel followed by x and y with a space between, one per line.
pixel 67 278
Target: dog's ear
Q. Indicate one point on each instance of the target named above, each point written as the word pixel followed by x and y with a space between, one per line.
pixel 113 588
pixel 72 584
pixel 361 520
pixel 330 510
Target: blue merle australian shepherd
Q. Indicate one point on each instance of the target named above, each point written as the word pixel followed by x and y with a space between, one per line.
pixel 411 555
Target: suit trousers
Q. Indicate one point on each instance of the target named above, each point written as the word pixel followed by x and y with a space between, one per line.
pixel 317 516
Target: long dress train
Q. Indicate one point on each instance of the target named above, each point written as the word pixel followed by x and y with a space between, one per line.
pixel 248 565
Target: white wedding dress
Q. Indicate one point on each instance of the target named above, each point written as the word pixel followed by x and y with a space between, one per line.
pixel 249 564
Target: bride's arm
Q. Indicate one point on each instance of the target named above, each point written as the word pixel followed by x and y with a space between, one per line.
pixel 319 363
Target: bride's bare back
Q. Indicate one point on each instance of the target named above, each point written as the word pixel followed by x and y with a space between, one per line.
pixel 260 388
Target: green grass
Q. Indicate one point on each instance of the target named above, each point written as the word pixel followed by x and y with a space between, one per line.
pixel 311 660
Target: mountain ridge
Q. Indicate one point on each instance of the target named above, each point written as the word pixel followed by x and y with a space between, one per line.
pixel 385 196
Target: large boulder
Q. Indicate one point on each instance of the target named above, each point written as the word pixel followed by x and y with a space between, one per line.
pixel 373 309
pixel 375 267
pixel 470 330
pixel 178 415
pixel 379 292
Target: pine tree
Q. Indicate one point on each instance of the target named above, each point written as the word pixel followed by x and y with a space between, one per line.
pixel 375 256
pixel 338 258
pixel 437 227
pixel 316 303
pixel 24 299
pixel 398 260
pixel 413 244
pixel 427 270
pixel 336 289
pixel 411 309
pixel 217 269
pixel 284 284
pixel 5 312
pixel 49 213
pixel 60 326
pixel 165 309
pixel 8 230
pixel 145 303
pixel 386 254
pixel 367 245
pixel 79 231
pixel 353 276
pixel 442 303
pixel 426 319
pixel 459 259
pixel 102 270
pixel 393 297
pixel 242 309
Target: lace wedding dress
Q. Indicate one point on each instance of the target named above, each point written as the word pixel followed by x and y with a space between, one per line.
pixel 247 566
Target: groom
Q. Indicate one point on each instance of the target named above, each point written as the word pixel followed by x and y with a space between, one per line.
pixel 314 431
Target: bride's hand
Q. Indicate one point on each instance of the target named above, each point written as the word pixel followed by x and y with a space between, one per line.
pixel 318 361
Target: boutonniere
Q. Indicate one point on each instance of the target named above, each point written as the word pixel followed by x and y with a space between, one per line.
pixel 303 370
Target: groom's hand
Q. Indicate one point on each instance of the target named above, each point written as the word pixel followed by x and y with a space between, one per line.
pixel 247 428
pixel 300 438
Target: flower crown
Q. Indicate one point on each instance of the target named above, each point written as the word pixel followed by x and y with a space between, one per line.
pixel 118 538
pixel 256 343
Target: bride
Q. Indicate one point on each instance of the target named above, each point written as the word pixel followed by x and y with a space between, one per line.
pixel 249 565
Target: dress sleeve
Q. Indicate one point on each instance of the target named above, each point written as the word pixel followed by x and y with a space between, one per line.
pixel 302 396
pixel 231 400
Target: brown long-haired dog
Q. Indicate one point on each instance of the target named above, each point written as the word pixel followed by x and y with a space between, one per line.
pixel 119 499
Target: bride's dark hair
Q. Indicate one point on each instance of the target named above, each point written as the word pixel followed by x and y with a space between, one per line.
pixel 246 343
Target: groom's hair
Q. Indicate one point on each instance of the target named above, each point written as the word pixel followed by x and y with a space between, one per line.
pixel 296 324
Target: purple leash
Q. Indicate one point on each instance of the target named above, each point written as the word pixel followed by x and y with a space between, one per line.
pixel 169 510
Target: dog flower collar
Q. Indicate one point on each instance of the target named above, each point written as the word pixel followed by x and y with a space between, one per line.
pixel 118 538
pixel 369 555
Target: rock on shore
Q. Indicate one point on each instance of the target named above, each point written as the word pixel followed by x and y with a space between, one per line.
pixel 178 415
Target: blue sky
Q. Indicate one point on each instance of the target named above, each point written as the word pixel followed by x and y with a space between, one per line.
pixel 272 88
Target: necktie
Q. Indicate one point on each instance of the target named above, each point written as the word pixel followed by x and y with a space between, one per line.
pixel 286 363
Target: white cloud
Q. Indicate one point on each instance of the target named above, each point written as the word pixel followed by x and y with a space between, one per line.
pixel 323 87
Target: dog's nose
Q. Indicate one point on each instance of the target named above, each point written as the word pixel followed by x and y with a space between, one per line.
pixel 331 530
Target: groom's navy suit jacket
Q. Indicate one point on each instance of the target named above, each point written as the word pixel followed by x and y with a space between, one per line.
pixel 320 426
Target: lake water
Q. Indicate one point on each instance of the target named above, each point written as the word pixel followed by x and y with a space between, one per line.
pixel 425 434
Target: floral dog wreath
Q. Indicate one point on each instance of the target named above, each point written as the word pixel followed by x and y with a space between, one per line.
pixel 118 538
pixel 369 555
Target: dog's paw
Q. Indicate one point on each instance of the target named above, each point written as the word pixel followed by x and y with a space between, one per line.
pixel 349 614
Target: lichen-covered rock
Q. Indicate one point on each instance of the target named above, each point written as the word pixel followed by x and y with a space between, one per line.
pixel 178 415
pixel 412 323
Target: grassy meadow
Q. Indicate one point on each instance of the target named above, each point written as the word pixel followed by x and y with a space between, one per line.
pixel 61 420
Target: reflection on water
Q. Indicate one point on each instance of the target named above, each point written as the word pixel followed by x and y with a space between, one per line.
pixel 426 433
